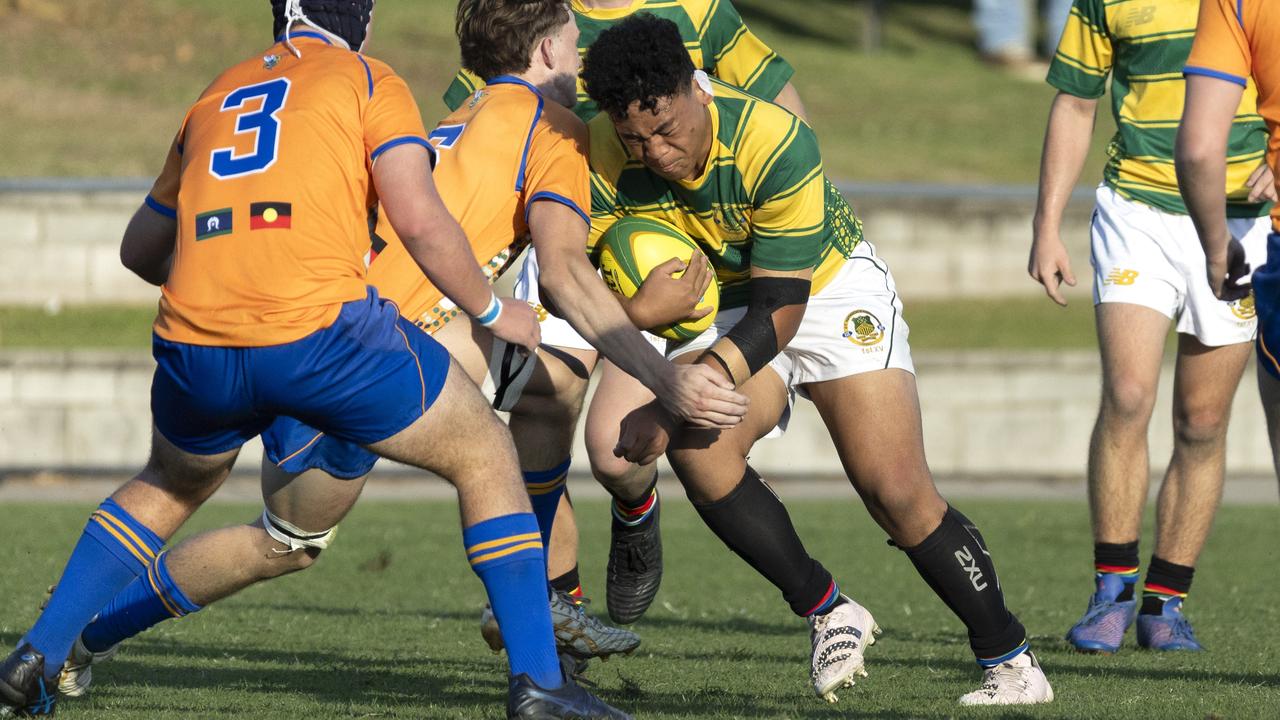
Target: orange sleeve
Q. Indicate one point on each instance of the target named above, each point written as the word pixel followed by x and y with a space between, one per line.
pixel 1221 49
pixel 557 166
pixel 391 117
pixel 163 197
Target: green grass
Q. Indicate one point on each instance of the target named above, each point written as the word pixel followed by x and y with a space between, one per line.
pixel 1024 323
pixel 385 625
pixel 98 87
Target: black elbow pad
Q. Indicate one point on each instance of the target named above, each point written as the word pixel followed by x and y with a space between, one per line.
pixel 755 335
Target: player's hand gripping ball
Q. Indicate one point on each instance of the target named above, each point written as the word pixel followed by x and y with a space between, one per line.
pixel 633 247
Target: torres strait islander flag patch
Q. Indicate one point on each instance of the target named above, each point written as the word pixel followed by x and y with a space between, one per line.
pixel 270 216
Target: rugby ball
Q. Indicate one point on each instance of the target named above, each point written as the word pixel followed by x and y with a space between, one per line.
pixel 633 247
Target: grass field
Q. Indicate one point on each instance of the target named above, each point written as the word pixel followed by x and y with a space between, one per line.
pixel 98 87
pixel 1027 323
pixel 385 625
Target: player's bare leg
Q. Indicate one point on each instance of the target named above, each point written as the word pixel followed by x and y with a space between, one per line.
pixel 748 517
pixel 1204 387
pixel 635 544
pixel 1131 341
pixel 874 421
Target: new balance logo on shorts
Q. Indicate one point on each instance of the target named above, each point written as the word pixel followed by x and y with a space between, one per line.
pixel 1121 277
pixel 965 557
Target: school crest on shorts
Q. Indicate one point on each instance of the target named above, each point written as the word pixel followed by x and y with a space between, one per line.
pixel 1245 309
pixel 863 328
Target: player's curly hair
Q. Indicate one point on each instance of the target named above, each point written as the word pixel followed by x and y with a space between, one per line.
pixel 642 59
pixel 497 37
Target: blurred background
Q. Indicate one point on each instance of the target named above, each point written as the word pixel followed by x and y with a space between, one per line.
pixel 933 132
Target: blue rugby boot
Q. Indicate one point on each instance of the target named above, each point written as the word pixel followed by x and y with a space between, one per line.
pixel 527 701
pixel 23 690
pixel 1170 630
pixel 1102 628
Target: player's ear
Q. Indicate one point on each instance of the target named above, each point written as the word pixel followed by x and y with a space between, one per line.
pixel 545 52
pixel 700 93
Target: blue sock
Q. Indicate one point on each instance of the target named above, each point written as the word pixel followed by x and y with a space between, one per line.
pixel 146 602
pixel 545 488
pixel 507 555
pixel 113 550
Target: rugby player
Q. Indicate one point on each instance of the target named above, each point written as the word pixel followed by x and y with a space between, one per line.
pixel 517 134
pixel 1234 44
pixel 719 42
pixel 1148 272
pixel 266 311
pixel 806 306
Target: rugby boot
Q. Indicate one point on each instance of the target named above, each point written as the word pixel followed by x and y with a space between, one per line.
pixel 578 634
pixel 1105 621
pixel 23 690
pixel 1016 681
pixel 839 639
pixel 635 567
pixel 527 701
pixel 77 671
pixel 1170 630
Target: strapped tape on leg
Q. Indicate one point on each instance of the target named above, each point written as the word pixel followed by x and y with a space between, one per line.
pixel 510 367
pixel 293 537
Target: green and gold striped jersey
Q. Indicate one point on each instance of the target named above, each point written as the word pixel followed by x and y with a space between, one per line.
pixel 714 34
pixel 1143 45
pixel 762 199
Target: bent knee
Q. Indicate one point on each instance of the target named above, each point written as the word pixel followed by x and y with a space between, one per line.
pixel 1127 399
pixel 1205 426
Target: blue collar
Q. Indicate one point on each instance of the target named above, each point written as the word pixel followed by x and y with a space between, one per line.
pixel 306 34
pixel 513 80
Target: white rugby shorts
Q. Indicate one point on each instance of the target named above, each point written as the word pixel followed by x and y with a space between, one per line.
pixel 1149 257
pixel 853 325
pixel 557 332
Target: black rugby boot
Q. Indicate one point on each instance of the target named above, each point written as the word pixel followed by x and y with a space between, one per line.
pixel 23 690
pixel 635 567
pixel 527 701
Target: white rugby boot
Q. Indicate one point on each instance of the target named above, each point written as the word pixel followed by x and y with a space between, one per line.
pixel 839 640
pixel 77 672
pixel 1018 681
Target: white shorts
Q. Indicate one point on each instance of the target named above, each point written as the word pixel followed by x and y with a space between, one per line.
pixel 853 325
pixel 556 332
pixel 1152 258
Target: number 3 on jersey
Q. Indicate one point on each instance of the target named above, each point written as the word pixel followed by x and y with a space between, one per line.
pixel 261 121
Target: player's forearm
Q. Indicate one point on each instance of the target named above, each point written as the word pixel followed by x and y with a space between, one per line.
pixel 445 257
pixel 595 313
pixel 1066 146
pixel 1201 178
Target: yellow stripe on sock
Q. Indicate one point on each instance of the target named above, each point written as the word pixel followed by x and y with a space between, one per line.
pixel 155 585
pixel 503 541
pixel 544 488
pixel 146 550
pixel 507 551
pixel 121 539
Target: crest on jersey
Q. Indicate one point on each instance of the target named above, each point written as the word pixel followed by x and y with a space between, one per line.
pixel 863 328
pixel 213 223
pixel 269 62
pixel 730 220
pixel 475 98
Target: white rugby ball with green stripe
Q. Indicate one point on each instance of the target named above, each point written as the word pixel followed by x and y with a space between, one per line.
pixel 633 247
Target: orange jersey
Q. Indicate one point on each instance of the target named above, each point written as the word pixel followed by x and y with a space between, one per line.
pixel 1236 40
pixel 499 153
pixel 269 181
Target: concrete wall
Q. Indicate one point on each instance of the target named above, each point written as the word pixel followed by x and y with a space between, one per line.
pixel 60 240
pixel 985 413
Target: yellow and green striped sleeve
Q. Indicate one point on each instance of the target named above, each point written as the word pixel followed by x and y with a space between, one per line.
pixel 788 225
pixel 737 56
pixel 462 87
pixel 1084 55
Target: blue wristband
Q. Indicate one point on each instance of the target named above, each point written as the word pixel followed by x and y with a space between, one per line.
pixel 491 313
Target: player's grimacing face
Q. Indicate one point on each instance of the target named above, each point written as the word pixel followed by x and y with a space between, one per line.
pixel 674 139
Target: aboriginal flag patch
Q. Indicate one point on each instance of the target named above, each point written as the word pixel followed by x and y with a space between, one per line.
pixel 213 223
pixel 270 216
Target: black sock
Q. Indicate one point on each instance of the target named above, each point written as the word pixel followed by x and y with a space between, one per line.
pixel 568 583
pixel 953 560
pixel 753 523
pixel 1118 559
pixel 1165 581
